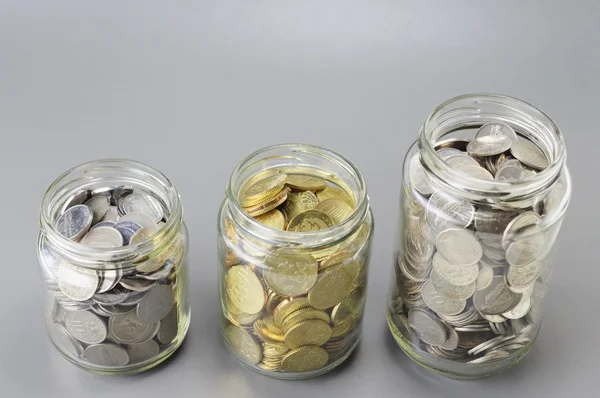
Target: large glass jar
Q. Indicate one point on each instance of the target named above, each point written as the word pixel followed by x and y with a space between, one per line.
pixel 295 233
pixel 484 192
pixel 113 256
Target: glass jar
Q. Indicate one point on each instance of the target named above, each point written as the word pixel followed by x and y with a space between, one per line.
pixel 485 190
pixel 113 250
pixel 295 233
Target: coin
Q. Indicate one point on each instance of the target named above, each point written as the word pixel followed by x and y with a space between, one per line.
pixel 85 327
pixel 310 332
pixel 449 290
pixel 427 327
pixel 526 246
pixel 271 204
pixel 305 182
pixel 530 154
pixel 485 276
pixel 138 202
pixel 330 192
pixel 61 338
pixel 290 273
pixel 137 284
pixel 143 219
pixel 497 129
pixel 338 210
pixel 330 288
pixel 112 214
pixel 489 145
pixel 74 223
pixel 418 178
pixel 304 314
pixel 77 198
pixel 496 298
pixel 77 283
pixel 156 304
pixel 439 303
pixel 287 307
pixel 244 289
pixel 521 277
pixel 461 159
pixel 455 274
pixel 263 189
pixel 452 341
pixel 243 344
pixel 129 329
pixel 459 247
pixel 103 237
pixel 310 221
pixel 520 310
pixel 304 359
pixel 274 219
pixel 106 355
pixel 142 351
pixel 512 173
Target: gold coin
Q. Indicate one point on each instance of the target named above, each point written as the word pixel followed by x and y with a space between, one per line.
pixel 243 344
pixel 343 258
pixel 266 334
pixel 298 202
pixel 290 273
pixel 270 324
pixel 342 318
pixel 287 307
pixel 244 289
pixel 242 320
pixel 310 332
pixel 262 189
pixel 304 359
pixel 335 193
pixel 305 182
pixel 273 300
pixel 310 221
pixel 270 367
pixel 231 232
pixel 338 210
pixel 272 349
pixel 273 219
pixel 331 288
pixel 304 314
pixel 268 206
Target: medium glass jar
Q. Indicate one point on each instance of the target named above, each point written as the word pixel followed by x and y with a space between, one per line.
pixel 295 233
pixel 485 190
pixel 113 251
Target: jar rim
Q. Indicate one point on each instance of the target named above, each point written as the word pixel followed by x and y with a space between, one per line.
pixel 521 113
pixel 292 238
pixel 106 258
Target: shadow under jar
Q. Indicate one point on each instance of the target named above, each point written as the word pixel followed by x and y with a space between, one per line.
pixel 295 233
pixel 485 190
pixel 113 255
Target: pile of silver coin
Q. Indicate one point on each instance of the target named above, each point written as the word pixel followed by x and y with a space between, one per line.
pixel 123 314
pixel 470 276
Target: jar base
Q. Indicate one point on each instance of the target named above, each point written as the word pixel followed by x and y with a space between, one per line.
pixel 454 369
pixel 299 376
pixel 133 368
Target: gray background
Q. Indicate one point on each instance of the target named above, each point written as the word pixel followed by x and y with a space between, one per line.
pixel 191 87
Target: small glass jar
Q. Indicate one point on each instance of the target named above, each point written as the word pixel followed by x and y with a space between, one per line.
pixel 295 233
pixel 485 190
pixel 113 251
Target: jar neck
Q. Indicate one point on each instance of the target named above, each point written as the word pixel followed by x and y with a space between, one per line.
pixel 102 174
pixel 304 159
pixel 474 110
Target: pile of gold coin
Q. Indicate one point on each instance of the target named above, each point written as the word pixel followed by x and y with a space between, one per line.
pixel 293 309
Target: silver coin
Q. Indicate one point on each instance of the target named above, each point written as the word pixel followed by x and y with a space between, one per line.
pixel 157 304
pixel 129 329
pixel 476 172
pixel 119 194
pixel 492 356
pixel 116 295
pixel 417 247
pixel 512 173
pixel 527 219
pixel 162 273
pixel 427 327
pixel 142 351
pixel 126 233
pixel 103 237
pixel 106 355
pixel 418 178
pixel 74 223
pixel 142 235
pixel 77 283
pixel 137 284
pixel 468 340
pixel 485 276
pixel 100 311
pixel 526 246
pixel 78 198
pixel 168 327
pixel 493 318
pixel 445 153
pixel 459 247
pixel 134 298
pixel 449 290
pixel 116 309
pixel 490 224
pixel 520 310
pixel 112 214
pixel 520 278
pixel 132 225
pixel 441 304
pixel 401 322
pixel 414 274
pixel 70 305
pixel 109 224
pixel 142 203
pixel 425 230
pixel 63 340
pixel 497 129
pixel 521 327
pixel 142 219
pixel 110 279
pixel 489 343
pixel 461 160
pixel 455 274
pixel 452 340
pixel 444 211
pixel 456 143
pixel 85 327
pixel 98 205
pixel 496 298
pixel 489 145
pixel 473 328
pixel 530 154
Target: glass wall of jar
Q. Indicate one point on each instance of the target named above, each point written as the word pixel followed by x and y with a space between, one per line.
pixel 113 256
pixel 295 233
pixel 485 190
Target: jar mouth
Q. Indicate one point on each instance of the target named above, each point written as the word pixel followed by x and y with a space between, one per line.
pixel 474 110
pixel 100 174
pixel 330 164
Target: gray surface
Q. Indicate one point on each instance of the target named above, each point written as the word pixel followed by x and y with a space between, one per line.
pixel 192 87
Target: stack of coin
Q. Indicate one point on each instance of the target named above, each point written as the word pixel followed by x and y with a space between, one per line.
pixel 294 309
pixel 120 314
pixel 468 275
